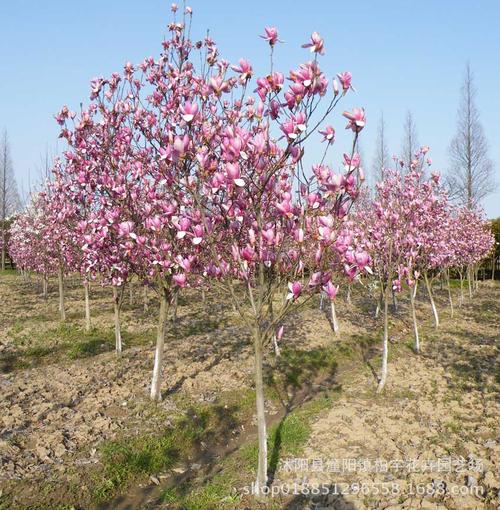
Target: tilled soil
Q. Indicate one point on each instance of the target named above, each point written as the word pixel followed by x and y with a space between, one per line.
pixel 430 440
pixel 440 404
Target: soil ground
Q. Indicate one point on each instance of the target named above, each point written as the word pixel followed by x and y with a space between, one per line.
pixel 77 429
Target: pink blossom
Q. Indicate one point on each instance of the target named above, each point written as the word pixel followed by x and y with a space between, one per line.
pixel 316 44
pixel 345 80
pixel 330 290
pixel 328 134
pixel 271 35
pixel 356 119
pixel 294 289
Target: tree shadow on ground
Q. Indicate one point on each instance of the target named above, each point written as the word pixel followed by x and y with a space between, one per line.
pixel 208 432
pixel 329 499
pixel 296 377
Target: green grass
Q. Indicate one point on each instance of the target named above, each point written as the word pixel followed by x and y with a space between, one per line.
pixel 285 439
pixel 123 460
pixel 128 459
pixel 8 272
pixel 296 367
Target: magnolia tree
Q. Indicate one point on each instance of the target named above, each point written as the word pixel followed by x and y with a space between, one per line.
pixel 42 241
pixel 395 228
pixel 472 241
pixel 239 195
pixel 27 246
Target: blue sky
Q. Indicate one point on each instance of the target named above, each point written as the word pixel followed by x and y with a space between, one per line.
pixel 403 55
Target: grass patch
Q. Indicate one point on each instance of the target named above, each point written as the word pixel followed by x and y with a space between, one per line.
pixel 296 367
pixel 130 459
pixel 123 460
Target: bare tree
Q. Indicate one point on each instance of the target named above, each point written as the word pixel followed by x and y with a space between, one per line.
pixel 381 158
pixel 410 143
pixel 471 174
pixel 10 202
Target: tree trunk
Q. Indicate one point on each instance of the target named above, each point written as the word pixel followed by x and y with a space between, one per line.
pixel 145 298
pixel 493 260
pixel 380 299
pixel 45 285
pixel 449 291
pixel 62 310
pixel 469 283
pixel 431 298
pixel 203 296
pixel 394 301
pixel 131 293
pixel 4 248
pixel 461 288
pixel 174 310
pixel 160 343
pixel 261 481
pixel 88 324
pixel 335 323
pixel 348 295
pixel 385 347
pixel 117 298
pixel 414 316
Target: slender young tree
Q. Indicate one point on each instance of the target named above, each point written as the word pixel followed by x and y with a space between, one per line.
pixel 471 173
pixel 9 195
pixel 409 145
pixel 381 158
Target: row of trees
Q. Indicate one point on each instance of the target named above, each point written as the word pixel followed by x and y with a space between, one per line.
pixel 470 177
pixel 10 201
pixel 184 171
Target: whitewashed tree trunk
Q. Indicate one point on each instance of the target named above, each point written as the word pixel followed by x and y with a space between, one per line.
pixel 335 322
pixel 117 298
pixel 385 346
pixel 62 309
pixel 45 284
pixel 348 295
pixel 174 308
pixel 145 298
pixel 160 344
pixel 414 317
pixel 461 288
pixel 261 480
pixel 431 298
pixel 469 282
pixel 88 324
pixel 449 292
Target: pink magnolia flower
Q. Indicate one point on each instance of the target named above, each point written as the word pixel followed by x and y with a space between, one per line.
pixel 271 35
pixel 315 279
pixel 356 119
pixel 335 88
pixel 294 289
pixel 316 44
pixel 244 69
pixel 345 80
pixel 180 279
pixel 125 228
pixel 330 290
pixel 328 134
pixel 362 259
pixel 189 111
